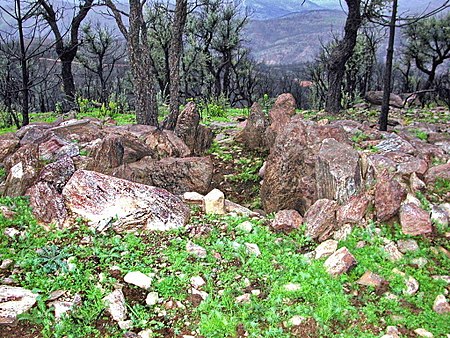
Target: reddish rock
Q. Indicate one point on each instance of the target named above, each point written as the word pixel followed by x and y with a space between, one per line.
pixel 34 134
pixel 253 135
pixel 55 148
pixel 371 279
pixel 108 154
pixel 23 170
pixel 441 171
pixel 134 149
pixel 338 171
pixel 7 147
pixel 289 176
pixel 287 220
pixel 389 195
pixel 377 165
pixel 126 206
pixel 414 220
pixel 47 204
pixel 376 98
pixel 279 116
pixel 354 210
pixel 415 165
pixel 178 175
pixel 198 138
pixel 441 305
pixel 58 173
pixel 81 131
pixel 340 262
pixel 320 219
pixel 166 144
pixel 393 142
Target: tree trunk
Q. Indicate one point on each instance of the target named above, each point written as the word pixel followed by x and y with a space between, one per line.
pixel 388 69
pixel 68 84
pixel 340 56
pixel 175 50
pixel 24 68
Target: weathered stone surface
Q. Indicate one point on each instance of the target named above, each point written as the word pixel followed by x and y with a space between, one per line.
pixel 164 143
pixel 13 302
pixel 198 138
pixel 376 98
pixel 178 175
pixel 108 154
pixel 340 262
pixel 23 167
pixel 56 148
pixel 253 135
pixel 414 220
pixel 371 279
pixel 81 131
pixel 338 171
pixel 439 216
pixel 320 219
pixel 416 184
pixel 392 251
pixel 279 116
pixel 214 202
pixel 406 245
pixel 58 173
pixel 423 333
pixel 139 279
pixel 126 206
pixel 287 220
pixel 196 250
pixel 47 204
pixel 441 305
pixel 134 149
pixel 116 305
pixel 441 171
pixel 326 248
pixel 7 147
pixel 414 165
pixel 354 210
pixel 389 195
pixel 288 180
pixel 33 134
pixel 394 143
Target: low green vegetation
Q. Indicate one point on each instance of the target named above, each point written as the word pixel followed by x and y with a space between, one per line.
pixel 80 261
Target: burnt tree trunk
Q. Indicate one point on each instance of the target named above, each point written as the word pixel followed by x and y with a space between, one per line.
pixel 340 55
pixel 175 50
pixel 25 90
pixel 388 69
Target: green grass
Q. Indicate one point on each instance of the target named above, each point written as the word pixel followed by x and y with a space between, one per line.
pixel 42 265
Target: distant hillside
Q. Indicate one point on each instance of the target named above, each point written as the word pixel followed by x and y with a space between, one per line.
pixel 292 39
pixel 270 9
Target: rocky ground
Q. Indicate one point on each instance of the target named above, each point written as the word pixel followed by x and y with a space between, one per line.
pixel 343 232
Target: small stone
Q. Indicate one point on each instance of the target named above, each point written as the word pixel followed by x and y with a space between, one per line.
pixel 256 292
pixel 13 302
pixel 115 303
pixel 343 232
pixel 291 287
pixel 11 232
pixel 197 282
pixel 215 202
pixel 412 286
pixel 414 220
pixel 196 250
pixel 245 298
pixel 139 279
pixel 296 320
pixel 253 249
pixel 392 251
pixel 152 298
pixel 361 244
pixel 246 226
pixel 441 305
pixel 193 198
pixel 439 216
pixel 145 333
pixel 55 295
pixel 443 278
pixel 326 248
pixel 420 262
pixel 416 183
pixel 6 264
pixel 371 279
pixel 392 331
pixel 202 294
pixel 423 333
pixel 405 246
pixel 340 262
pixel 125 324
pixel 287 221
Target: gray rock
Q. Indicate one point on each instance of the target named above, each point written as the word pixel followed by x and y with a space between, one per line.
pixel 13 302
pixel 116 305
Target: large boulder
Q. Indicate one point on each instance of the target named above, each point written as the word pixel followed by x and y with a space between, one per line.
pixel 253 135
pixel 178 175
pixel 320 219
pixel 198 138
pixel 23 170
pixel 47 204
pixel 55 148
pixel 125 206
pixel 338 171
pixel 376 98
pixel 108 154
pixel 438 172
pixel 58 173
pixel 389 195
pixel 8 144
pixel 79 131
pixel 165 143
pixel 289 177
pixel 280 115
